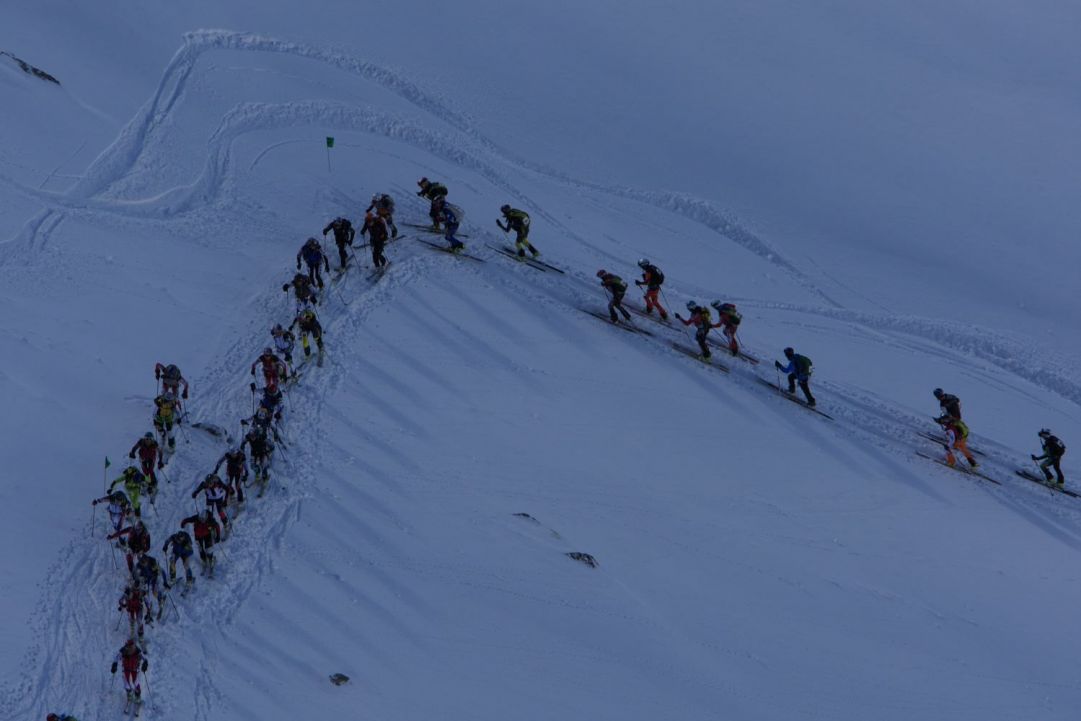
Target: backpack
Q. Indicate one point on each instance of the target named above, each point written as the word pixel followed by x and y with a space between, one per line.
pixel 1055 447
pixel 803 364
pixel 656 277
pixel 172 373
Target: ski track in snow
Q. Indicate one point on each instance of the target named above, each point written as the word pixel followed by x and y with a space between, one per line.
pixel 57 677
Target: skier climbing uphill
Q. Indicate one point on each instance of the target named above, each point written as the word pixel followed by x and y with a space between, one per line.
pixel 149 453
pixel 437 194
pixel 518 221
pixel 652 279
pixel 274 371
pixel 343 236
pixel 133 660
pixel 284 341
pixel 236 471
pixel 308 324
pixel 118 509
pixel 1053 451
pixel 702 322
pixel 451 218
pixel 133 482
pixel 207 533
pixel 383 205
pixel 313 257
pixel 729 319
pixel 799 371
pixel 217 497
pixel 617 288
pixel 171 379
pixel 165 416
pixel 302 291
pixel 178 547
pixel 376 230
pixel 956 439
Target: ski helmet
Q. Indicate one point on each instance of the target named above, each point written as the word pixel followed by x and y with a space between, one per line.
pixel 277 329
pixel 601 273
pixel 1044 432
pixel 938 392
pixel 643 263
pixel 313 241
pixel 149 435
pixel 691 305
pixel 504 209
pixel 423 181
pixel 268 351
pixel 717 304
pixel 169 395
pixel 788 352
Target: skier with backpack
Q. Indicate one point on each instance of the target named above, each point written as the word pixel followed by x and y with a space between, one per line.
pixel 343 236
pixel 302 290
pixel 171 379
pixel 314 257
pixel 798 371
pixel 616 288
pixel 236 471
pixel 383 205
pixel 178 547
pixel 137 541
pixel 284 342
pixel 147 571
pixel 450 215
pixel 165 415
pixel 1053 451
pixel 149 453
pixel 518 221
pixel 437 194
pixel 216 497
pixel 729 319
pixel 132 659
pixel 132 602
pixel 260 448
pixel 308 324
pixel 702 322
pixel 207 532
pixel 118 509
pixel 274 371
pixel 652 279
pixel 376 230
pixel 956 440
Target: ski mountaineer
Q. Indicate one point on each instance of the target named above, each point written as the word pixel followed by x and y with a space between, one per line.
pixel 343 236
pixel 616 288
pixel 383 205
pixel 956 439
pixel 308 325
pixel 274 371
pixel 284 342
pixel 702 322
pixel 451 218
pixel 261 448
pixel 149 455
pixel 147 571
pixel 272 402
pixel 132 603
pixel 652 279
pixel 518 221
pixel 133 660
pixel 180 542
pixel 133 482
pixel 1053 451
pixel 376 230
pixel 950 404
pixel 60 717
pixel 171 379
pixel 729 319
pixel 207 533
pixel 138 541
pixel 236 471
pixel 302 290
pixel 165 416
pixel 119 507
pixel 437 194
pixel 798 370
pixel 314 257
pixel 216 498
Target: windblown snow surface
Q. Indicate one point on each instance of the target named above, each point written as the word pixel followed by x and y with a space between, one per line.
pixel 889 187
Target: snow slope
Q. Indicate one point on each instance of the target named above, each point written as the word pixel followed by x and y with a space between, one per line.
pixel 755 560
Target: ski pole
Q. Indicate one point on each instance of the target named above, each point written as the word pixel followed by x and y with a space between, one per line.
pixel 252 386
pixel 93 519
pixel 147 680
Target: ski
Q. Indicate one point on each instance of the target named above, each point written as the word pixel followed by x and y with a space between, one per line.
pixel 793 398
pixel 549 266
pixel 649 316
pixel 942 441
pixel 430 229
pixel 448 251
pixel 958 468
pixel 216 431
pixel 519 259
pixel 1028 476
pixel 623 325
pixel 698 357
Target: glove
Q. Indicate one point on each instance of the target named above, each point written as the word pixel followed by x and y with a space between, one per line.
pixel 157 375
pixel 775 363
pixel 324 234
pixel 394 233
pixel 112 669
pixel 638 283
pixel 94 502
pixel 679 316
pixel 420 192
pixel 131 455
pixel 184 395
pixel 298 265
pixel 285 288
pixel 194 494
pixel 253 370
pixel 145 665
pixel 1033 458
pixel 160 465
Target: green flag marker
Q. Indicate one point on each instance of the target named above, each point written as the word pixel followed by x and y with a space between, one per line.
pixel 330 142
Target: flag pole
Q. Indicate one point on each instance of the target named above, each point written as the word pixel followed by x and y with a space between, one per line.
pixel 330 144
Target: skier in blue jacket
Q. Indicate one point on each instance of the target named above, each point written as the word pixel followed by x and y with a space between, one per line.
pixel 314 256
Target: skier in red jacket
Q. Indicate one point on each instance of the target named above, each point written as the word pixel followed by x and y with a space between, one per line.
pixel 134 603
pixel 207 532
pixel 133 660
pixel 150 456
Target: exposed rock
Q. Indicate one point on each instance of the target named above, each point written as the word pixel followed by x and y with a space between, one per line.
pixel 583 558
pixel 338 679
pixel 30 69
